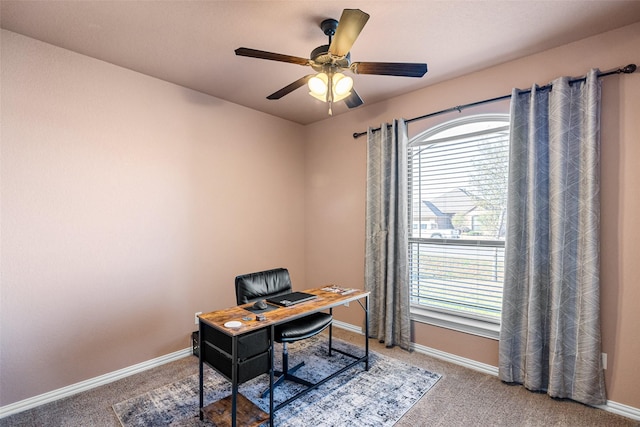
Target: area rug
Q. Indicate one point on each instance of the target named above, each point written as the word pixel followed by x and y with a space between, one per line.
pixel 377 397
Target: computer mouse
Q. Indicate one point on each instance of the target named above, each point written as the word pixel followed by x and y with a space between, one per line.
pixel 260 305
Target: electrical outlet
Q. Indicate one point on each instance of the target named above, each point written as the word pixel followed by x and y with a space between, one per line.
pixel 196 317
pixel 604 360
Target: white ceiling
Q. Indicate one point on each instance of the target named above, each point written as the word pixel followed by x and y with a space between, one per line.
pixel 192 43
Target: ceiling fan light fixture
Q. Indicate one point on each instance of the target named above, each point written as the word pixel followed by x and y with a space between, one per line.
pixel 318 86
pixel 342 86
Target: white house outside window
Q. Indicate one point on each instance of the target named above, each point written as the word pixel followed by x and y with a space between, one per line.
pixel 457 210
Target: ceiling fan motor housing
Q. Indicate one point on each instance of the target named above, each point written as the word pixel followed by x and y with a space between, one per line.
pixel 320 57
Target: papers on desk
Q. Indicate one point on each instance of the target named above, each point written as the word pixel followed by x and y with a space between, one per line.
pixel 339 290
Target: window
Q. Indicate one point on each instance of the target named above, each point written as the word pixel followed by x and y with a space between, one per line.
pixel 457 212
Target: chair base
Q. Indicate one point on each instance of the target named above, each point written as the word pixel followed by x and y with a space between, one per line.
pixel 287 376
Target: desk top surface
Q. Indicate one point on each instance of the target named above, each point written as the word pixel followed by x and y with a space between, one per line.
pixel 326 299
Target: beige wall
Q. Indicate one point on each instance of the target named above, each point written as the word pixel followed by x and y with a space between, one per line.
pixel 336 172
pixel 128 204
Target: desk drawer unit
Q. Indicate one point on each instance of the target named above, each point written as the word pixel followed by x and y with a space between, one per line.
pixel 253 352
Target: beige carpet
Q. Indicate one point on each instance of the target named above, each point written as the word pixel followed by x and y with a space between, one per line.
pixel 461 398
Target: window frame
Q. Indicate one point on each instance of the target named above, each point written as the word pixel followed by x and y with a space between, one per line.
pixel 475 325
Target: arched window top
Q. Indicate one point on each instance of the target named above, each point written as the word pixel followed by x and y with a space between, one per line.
pixel 470 126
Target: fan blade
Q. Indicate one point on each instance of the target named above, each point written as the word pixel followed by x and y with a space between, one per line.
pixel 261 54
pixel 353 100
pixel 403 69
pixel 351 23
pixel 290 88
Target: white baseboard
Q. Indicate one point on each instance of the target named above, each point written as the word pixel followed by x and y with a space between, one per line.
pixel 348 327
pixel 76 388
pixel 32 402
pixel 611 406
pixel 447 357
pixel 458 360
pixel 620 409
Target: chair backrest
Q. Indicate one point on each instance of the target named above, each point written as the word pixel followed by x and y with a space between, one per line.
pixel 263 284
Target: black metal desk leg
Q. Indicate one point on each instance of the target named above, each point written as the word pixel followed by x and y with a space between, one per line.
pixel 200 363
pixel 271 335
pixel 330 331
pixel 234 381
pixel 366 332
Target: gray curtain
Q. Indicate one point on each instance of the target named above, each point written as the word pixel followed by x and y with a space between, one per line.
pixel 550 332
pixel 386 245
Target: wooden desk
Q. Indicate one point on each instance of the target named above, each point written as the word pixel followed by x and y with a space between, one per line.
pixel 227 354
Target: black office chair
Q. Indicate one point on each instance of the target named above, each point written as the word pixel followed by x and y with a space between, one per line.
pixel 265 284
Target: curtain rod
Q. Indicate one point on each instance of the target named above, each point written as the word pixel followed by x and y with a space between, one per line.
pixel 622 70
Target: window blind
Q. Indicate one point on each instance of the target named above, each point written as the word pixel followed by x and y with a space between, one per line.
pixel 457 178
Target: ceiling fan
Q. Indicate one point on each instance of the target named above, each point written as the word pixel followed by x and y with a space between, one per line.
pixel 329 84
